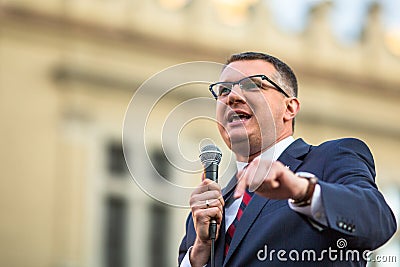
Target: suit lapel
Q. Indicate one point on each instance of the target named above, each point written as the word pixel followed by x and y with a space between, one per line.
pixel 220 244
pixel 250 214
pixel 227 193
pixel 292 157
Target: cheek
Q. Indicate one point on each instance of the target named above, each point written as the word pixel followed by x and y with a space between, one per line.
pixel 224 134
pixel 266 122
pixel 264 114
pixel 271 112
pixel 222 130
pixel 220 112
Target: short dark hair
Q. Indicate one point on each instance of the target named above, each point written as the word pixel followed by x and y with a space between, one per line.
pixel 288 79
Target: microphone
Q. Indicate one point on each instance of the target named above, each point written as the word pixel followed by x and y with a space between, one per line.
pixel 210 157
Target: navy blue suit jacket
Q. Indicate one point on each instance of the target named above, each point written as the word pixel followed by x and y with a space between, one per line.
pixel 358 217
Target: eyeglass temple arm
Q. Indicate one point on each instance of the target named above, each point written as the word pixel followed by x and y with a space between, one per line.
pixel 212 92
pixel 276 86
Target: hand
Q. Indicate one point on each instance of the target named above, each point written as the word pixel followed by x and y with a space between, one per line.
pixel 206 203
pixel 271 180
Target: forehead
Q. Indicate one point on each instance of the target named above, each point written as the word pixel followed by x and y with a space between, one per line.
pixel 244 68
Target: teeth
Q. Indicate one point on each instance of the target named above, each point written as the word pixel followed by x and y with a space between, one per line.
pixel 238 117
pixel 235 118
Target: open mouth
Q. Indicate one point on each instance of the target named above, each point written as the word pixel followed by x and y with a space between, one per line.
pixel 238 116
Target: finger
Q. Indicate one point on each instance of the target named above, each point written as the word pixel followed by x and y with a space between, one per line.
pixel 206 185
pixel 204 216
pixel 274 183
pixel 273 175
pixel 209 198
pixel 264 181
pixel 215 213
pixel 212 184
pixel 258 171
pixel 241 185
pixel 221 200
pixel 215 202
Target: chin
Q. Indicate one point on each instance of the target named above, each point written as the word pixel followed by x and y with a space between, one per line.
pixel 240 144
pixel 238 137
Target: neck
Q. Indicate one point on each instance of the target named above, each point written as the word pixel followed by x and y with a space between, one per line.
pixel 248 157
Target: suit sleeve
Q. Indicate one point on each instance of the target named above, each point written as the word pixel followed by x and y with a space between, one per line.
pixel 353 205
pixel 184 247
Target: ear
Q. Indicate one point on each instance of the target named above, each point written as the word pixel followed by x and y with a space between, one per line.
pixel 292 108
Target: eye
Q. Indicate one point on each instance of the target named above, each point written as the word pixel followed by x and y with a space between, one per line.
pixel 224 89
pixel 251 84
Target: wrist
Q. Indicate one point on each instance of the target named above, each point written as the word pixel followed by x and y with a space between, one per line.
pixel 305 197
pixel 301 191
pixel 199 253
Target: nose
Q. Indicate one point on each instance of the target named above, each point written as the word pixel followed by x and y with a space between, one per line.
pixel 236 95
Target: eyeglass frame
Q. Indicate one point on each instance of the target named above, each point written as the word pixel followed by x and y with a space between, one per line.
pixel 263 78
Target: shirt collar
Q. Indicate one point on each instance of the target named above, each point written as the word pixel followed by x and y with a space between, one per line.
pixel 272 153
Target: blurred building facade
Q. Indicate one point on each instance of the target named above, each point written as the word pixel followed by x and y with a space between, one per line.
pixel 68 70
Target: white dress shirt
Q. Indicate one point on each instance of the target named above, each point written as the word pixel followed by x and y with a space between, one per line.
pixel 315 210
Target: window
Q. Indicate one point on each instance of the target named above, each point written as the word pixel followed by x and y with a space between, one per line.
pixel 115 159
pixel 161 163
pixel 115 232
pixel 159 219
pixel 158 235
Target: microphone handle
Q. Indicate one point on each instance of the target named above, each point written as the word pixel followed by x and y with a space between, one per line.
pixel 211 172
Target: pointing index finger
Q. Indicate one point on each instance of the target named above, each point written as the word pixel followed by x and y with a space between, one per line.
pixel 241 184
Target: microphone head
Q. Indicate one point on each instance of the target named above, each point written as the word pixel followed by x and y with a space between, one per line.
pixel 210 154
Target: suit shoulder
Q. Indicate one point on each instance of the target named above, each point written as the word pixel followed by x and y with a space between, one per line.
pixel 345 142
pixel 348 146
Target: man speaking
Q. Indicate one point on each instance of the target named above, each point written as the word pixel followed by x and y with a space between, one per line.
pixel 290 203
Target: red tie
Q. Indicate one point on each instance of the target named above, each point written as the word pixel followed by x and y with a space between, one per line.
pixel 231 230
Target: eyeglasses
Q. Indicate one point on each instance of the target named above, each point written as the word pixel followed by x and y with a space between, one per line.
pixel 251 83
